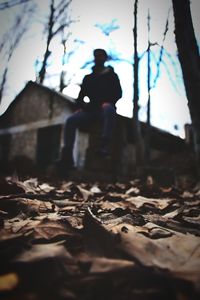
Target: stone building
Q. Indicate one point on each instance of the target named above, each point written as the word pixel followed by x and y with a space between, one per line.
pixel 31 135
pixel 32 127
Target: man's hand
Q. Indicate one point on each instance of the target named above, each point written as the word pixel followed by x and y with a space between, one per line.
pixel 105 104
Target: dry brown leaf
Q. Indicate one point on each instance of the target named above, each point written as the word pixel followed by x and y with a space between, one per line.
pixel 140 201
pixel 8 238
pixel 149 181
pixel 30 185
pixel 3 213
pixel 187 194
pixel 41 252
pixel 133 191
pixel 115 197
pixel 107 265
pixel 178 253
pixel 85 193
pixel 9 187
pixel 29 207
pixel 21 226
pixel 174 213
pixel 8 282
pixel 50 229
pixel 36 206
pixel 192 220
pixel 95 190
pixel 107 205
pixel 75 222
pixel 166 189
pixel 45 187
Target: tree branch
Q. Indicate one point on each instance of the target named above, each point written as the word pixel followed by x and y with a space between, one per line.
pixel 11 3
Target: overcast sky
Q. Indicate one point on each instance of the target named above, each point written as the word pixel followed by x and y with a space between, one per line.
pixel 169 104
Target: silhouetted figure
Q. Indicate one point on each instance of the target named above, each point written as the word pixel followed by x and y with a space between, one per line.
pixel 102 89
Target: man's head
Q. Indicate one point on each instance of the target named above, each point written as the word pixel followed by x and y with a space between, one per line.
pixel 100 57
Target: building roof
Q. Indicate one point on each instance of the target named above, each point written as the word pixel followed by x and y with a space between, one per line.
pixel 30 84
pixel 159 139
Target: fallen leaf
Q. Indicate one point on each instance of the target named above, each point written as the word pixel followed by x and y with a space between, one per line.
pixel 187 194
pixel 163 253
pixel 166 189
pixel 45 187
pixel 115 197
pixel 45 251
pixel 174 213
pixel 149 181
pixel 35 206
pixel 106 265
pixel 192 220
pixel 133 191
pixel 95 189
pixel 8 187
pixel 85 193
pixel 8 282
pixel 30 185
pixel 50 229
pixel 140 201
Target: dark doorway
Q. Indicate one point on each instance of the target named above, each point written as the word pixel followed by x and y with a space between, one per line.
pixel 5 141
pixel 48 145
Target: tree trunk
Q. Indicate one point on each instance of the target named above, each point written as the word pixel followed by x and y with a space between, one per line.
pixel 148 128
pixel 3 83
pixel 42 72
pixel 137 128
pixel 190 63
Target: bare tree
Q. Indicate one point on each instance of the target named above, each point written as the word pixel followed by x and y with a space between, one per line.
pixel 11 40
pixel 58 20
pixel 188 54
pixel 66 77
pixel 148 129
pixel 11 3
pixel 137 127
pixel 63 73
pixel 149 79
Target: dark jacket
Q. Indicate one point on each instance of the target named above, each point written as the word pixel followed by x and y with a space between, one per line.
pixel 99 88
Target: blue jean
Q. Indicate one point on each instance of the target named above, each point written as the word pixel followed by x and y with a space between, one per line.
pixel 107 114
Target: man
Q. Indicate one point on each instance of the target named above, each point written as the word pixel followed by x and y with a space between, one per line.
pixel 102 89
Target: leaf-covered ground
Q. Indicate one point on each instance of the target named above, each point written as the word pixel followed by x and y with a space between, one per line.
pixel 99 241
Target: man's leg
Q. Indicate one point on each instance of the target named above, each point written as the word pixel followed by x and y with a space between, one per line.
pixel 109 120
pixel 67 161
pixel 78 119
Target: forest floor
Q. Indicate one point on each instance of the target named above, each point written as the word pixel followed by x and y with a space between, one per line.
pixel 136 239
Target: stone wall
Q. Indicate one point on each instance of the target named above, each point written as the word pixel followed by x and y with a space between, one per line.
pixel 36 107
pixel 23 144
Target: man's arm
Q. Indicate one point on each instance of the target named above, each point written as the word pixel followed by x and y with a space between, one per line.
pixel 81 95
pixel 118 88
pixel 115 88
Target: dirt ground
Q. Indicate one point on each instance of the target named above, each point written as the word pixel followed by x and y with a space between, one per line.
pixel 136 239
